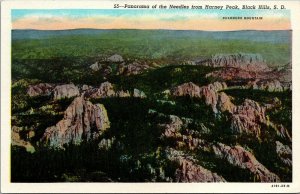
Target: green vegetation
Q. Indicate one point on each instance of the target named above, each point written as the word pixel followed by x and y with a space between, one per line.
pixel 144 44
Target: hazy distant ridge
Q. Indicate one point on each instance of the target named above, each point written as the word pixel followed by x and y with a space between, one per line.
pixel 283 36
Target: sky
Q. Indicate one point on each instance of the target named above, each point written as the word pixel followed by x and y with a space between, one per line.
pixel 174 19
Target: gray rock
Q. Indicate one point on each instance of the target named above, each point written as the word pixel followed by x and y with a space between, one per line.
pixel 115 58
pixel 65 91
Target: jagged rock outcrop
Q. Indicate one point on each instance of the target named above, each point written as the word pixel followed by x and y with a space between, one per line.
pixel 138 94
pixel 106 89
pixel 209 93
pixel 82 121
pixel 186 89
pixel 65 91
pixel 115 58
pixel 224 103
pixel 245 61
pixel 239 157
pixel 284 152
pixel 173 127
pixel 248 117
pixel 189 170
pixel 40 89
pixel 268 85
pixel 106 144
pixel 96 66
pixel 133 68
pixel 123 94
pixel 17 141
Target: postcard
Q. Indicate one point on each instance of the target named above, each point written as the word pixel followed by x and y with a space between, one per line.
pixel 150 96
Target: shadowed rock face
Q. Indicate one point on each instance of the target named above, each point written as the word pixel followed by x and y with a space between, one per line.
pixel 284 152
pixel 82 121
pixel 40 89
pixel 238 156
pixel 189 171
pixel 65 91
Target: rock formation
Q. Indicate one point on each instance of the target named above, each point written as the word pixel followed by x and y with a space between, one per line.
pixel 106 89
pixel 138 94
pixel 239 157
pixel 115 58
pixel 96 66
pixel 132 68
pixel 268 85
pixel 40 89
pixel 209 93
pixel 173 127
pixel 82 121
pixel 224 103
pixel 189 171
pixel 245 61
pixel 65 91
pixel 186 89
pixel 248 117
pixel 284 152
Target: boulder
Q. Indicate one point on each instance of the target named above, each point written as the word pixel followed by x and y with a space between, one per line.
pixel 189 171
pixel 65 91
pixel 40 89
pixel 115 58
pixel 82 121
pixel 239 157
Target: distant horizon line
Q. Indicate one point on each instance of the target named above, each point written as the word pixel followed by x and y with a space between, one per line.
pixel 150 29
